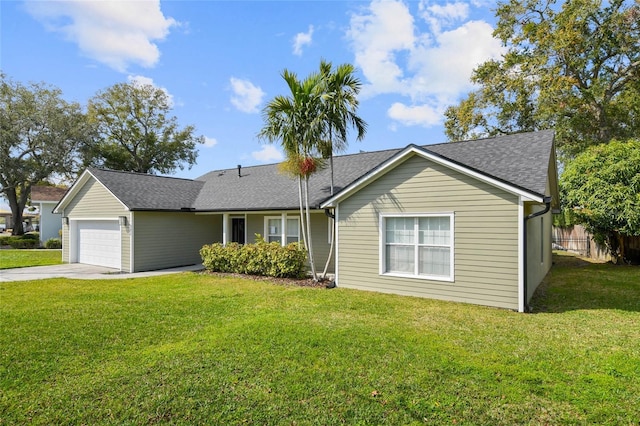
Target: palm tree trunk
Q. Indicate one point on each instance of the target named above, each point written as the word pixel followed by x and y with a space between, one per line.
pixel 302 222
pixel 333 241
pixel 308 220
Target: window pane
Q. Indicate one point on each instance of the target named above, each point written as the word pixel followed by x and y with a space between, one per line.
pixel 273 238
pixel 434 230
pixel 292 228
pixel 400 230
pixel 274 227
pixel 291 240
pixel 400 259
pixel 434 261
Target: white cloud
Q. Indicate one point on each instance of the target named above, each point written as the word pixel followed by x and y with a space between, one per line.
pixel 146 81
pixel 116 33
pixel 246 96
pixel 376 37
pixel 429 60
pixel 439 16
pixel 302 39
pixel 418 115
pixel 267 153
pixel 210 142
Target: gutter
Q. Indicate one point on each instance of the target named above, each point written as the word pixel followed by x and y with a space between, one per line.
pixel 547 202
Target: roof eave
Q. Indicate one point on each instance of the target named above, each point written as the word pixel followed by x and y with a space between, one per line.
pixel 411 150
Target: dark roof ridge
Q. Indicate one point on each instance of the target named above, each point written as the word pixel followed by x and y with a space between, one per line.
pixel 488 138
pixel 104 169
pixel 274 164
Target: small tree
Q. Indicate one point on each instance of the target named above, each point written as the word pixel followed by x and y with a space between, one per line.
pixel 297 121
pixel 40 137
pixel 340 103
pixel 602 186
pixel 136 132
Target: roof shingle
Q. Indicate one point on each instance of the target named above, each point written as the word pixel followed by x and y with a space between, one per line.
pixel 520 160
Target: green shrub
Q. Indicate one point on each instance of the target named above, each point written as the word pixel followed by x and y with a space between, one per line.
pixel 25 241
pixel 260 258
pixel 31 236
pixel 53 243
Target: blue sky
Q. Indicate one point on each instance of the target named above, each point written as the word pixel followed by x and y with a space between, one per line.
pixel 220 61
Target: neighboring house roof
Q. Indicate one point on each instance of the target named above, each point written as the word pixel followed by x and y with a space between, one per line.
pixel 520 161
pixel 41 194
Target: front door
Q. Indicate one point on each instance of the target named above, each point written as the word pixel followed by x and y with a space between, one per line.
pixel 237 230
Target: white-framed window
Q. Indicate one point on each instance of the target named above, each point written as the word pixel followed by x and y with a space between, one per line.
pixel 293 230
pixel 417 245
pixel 282 228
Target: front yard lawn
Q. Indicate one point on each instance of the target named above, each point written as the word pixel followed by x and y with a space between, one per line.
pixel 22 258
pixel 199 349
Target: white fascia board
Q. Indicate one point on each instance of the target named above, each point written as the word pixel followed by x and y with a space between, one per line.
pixel 414 150
pixel 72 191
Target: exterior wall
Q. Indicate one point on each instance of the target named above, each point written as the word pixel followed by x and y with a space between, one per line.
pixel 168 239
pixel 50 223
pixel 65 244
pixel 93 201
pixel 485 239
pixel 539 239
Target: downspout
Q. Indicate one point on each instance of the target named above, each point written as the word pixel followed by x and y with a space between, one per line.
pixel 547 202
pixel 327 212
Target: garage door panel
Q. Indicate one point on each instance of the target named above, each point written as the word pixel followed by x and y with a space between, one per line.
pixel 99 243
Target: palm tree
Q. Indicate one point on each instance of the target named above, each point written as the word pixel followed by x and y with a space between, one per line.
pixel 297 122
pixel 340 105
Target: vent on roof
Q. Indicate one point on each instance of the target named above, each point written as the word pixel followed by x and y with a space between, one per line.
pixel 239 170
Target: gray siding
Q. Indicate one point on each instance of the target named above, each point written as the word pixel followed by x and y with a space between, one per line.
pixel 539 238
pixel 65 244
pixel 485 240
pixel 94 201
pixel 164 239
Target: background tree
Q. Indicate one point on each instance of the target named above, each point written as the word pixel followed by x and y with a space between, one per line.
pixel 297 122
pixel 136 132
pixel 602 186
pixel 40 136
pixel 572 66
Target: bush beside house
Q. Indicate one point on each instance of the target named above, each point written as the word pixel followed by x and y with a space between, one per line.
pixel 261 258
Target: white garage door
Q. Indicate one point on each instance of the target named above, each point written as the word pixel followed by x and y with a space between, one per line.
pixel 99 243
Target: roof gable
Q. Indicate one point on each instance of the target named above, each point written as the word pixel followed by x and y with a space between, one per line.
pixel 518 164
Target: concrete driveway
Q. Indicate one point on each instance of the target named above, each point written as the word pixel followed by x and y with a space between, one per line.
pixel 83 272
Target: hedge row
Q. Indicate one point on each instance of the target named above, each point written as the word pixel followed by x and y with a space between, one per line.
pixel 26 241
pixel 261 258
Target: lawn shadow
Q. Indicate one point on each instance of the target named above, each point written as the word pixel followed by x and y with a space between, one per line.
pixel 576 283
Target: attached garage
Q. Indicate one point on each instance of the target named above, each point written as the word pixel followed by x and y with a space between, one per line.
pixel 99 243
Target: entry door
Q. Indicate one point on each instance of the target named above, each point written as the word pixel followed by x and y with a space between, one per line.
pixel 237 230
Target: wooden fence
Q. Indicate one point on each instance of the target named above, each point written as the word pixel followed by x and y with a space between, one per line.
pixel 575 238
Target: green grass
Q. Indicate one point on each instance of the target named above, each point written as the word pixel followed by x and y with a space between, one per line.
pixel 196 349
pixel 22 258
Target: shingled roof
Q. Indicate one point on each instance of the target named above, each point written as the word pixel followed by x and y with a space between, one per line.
pixel 520 160
pixel 139 191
